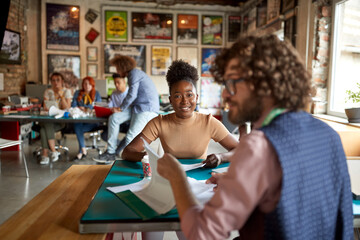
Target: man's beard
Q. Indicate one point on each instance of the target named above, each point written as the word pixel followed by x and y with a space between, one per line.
pixel 250 111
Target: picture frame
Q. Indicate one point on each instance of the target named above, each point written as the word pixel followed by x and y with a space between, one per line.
pixel 91 15
pixel 152 27
pixel 10 52
pixel 62 27
pixel 116 26
pixel 287 5
pixel 92 53
pixel 67 65
pixel 188 54
pixel 138 52
pixel 161 58
pixel 212 30
pixel 234 27
pixel 92 35
pixel 187 29
pixel 208 56
pixel 92 70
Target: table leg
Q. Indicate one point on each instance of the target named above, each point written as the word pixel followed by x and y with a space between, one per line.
pixel 24 159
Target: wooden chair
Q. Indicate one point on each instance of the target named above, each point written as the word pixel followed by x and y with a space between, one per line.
pixel 4 143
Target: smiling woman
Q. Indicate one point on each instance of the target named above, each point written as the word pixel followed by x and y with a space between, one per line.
pixel 184 133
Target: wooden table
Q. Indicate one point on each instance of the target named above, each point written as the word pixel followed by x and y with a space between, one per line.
pixel 55 212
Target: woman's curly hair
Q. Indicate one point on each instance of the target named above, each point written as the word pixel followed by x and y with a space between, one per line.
pixel 124 64
pixel 272 66
pixel 181 70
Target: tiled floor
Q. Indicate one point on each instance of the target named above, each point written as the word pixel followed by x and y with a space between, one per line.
pixel 16 190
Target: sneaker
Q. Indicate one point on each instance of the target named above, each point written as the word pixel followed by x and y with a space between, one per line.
pixel 54 156
pixel 44 160
pixel 105 157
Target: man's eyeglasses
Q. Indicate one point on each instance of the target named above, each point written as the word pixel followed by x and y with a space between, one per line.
pixel 56 80
pixel 230 85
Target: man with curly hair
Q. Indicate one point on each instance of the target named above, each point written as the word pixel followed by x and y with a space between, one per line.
pixel 288 179
pixel 140 105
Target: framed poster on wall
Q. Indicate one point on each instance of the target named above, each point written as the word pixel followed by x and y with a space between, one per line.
pixel 92 53
pixel 234 28
pixel 92 35
pixel 160 59
pixel 188 54
pixel 138 52
pixel 116 27
pixel 187 29
pixel 207 59
pixel 212 27
pixel 152 26
pixel 11 48
pixel 92 70
pixel 68 66
pixel 62 27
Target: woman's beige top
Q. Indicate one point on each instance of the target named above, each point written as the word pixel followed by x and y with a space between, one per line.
pixel 185 138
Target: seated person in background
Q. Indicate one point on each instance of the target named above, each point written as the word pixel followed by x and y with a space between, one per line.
pixel 184 133
pixel 141 104
pixel 84 99
pixel 62 96
pixel 288 179
pixel 116 99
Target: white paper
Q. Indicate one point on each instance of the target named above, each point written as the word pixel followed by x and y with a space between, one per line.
pixel 188 167
pixel 202 191
pixel 132 187
pixel 221 170
pixel 158 193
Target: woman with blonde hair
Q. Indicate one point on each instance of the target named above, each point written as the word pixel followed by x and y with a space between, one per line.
pixel 62 96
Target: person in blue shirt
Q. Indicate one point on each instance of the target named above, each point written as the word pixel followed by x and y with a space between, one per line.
pixel 118 95
pixel 116 99
pixel 84 99
pixel 140 105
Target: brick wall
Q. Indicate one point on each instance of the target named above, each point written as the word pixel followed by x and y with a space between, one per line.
pixel 320 63
pixel 15 74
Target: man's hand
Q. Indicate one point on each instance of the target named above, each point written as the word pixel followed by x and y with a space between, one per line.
pixel 170 168
pixel 212 161
pixel 215 179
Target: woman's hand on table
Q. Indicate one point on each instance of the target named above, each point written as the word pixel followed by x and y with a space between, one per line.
pixel 212 160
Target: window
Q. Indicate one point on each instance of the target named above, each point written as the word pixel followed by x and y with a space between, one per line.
pixel 345 54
